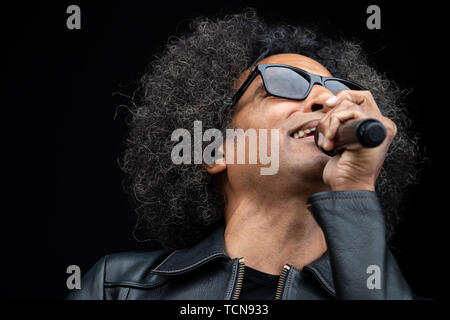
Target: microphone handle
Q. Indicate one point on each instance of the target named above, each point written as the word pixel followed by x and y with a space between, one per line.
pixel 369 133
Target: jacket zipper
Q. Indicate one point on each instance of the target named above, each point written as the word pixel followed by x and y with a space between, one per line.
pixel 240 279
pixel 282 281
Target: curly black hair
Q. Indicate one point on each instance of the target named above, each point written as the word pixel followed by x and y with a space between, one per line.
pixel 193 80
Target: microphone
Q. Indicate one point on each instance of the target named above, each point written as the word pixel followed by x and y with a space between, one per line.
pixel 369 133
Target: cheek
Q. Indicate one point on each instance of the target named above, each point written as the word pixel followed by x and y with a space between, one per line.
pixel 264 113
pixel 271 118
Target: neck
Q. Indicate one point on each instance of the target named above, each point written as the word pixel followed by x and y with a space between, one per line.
pixel 269 232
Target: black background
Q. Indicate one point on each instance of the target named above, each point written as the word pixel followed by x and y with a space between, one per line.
pixel 69 207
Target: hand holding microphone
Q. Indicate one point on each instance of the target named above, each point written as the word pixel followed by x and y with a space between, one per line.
pixel 369 133
pixel 350 132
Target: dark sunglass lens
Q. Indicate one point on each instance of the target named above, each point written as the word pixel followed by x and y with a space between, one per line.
pixel 337 85
pixel 285 83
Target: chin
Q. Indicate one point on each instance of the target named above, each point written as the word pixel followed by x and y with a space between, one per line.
pixel 306 167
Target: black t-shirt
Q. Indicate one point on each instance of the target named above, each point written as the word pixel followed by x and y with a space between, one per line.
pixel 258 285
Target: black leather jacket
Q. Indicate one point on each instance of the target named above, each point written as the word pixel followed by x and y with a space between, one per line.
pixel 354 229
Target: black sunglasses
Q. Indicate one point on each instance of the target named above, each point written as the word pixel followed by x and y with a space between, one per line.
pixel 288 82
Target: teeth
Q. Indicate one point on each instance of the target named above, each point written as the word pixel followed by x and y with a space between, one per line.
pixel 301 134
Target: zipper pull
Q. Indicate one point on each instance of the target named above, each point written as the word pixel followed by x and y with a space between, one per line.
pixel 282 281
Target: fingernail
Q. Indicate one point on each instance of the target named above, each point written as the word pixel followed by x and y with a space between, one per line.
pixel 332 100
pixel 321 137
pixel 326 143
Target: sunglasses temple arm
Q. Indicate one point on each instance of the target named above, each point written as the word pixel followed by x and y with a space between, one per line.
pixel 244 86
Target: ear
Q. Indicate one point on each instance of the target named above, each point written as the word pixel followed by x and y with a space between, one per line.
pixel 218 165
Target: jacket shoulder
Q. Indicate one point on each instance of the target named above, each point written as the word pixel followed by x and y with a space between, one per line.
pixel 132 267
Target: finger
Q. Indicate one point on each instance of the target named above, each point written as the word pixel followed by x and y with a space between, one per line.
pixel 336 118
pixel 342 100
pixel 335 121
pixel 328 119
pixel 325 122
pixel 359 97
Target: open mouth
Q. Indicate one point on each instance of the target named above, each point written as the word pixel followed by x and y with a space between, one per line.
pixel 306 130
pixel 303 133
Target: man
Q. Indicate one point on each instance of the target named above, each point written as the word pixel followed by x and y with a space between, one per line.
pixel 313 230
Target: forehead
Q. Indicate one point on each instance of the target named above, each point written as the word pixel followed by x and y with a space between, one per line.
pixel 299 61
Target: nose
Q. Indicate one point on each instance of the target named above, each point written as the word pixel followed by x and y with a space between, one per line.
pixel 316 99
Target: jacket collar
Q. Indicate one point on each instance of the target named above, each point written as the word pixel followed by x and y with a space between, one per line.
pixel 187 259
pixel 322 270
pixel 213 247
